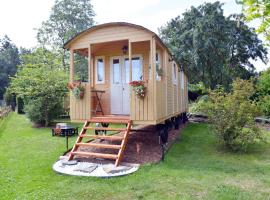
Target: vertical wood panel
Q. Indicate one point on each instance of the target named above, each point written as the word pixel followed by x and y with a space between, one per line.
pixel 71 70
pixel 80 108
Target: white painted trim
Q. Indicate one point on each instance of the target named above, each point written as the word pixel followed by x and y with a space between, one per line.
pixel 96 78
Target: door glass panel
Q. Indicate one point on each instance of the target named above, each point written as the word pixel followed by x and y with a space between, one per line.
pixel 116 71
pixel 126 70
pixel 136 69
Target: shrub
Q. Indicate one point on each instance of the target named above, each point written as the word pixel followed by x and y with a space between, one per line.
pixel 232 115
pixel 198 105
pixel 41 111
pixel 264 104
pixel 196 90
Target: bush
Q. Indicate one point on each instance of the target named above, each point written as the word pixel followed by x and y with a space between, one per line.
pixel 264 104
pixel 232 115
pixel 196 90
pixel 197 106
pixel 42 112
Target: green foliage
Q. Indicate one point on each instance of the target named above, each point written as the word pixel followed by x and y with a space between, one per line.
pixel 215 49
pixel 264 104
pixel 80 68
pixel 67 18
pixel 198 88
pixel 199 104
pixel 258 10
pixel 264 82
pixel 41 84
pixel 263 87
pixel 232 115
pixel 9 59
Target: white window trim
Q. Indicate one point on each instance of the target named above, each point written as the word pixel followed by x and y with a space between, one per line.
pixel 96 72
pixel 174 76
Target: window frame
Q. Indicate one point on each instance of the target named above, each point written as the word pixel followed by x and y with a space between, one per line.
pixel 96 70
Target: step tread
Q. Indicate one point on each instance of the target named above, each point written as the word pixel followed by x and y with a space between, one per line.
pixel 107 146
pixel 105 128
pixel 105 137
pixel 109 120
pixel 99 155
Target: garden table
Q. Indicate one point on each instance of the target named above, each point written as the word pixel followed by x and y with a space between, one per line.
pixel 98 95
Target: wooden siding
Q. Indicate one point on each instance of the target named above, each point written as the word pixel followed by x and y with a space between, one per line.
pixel 80 108
pixel 109 34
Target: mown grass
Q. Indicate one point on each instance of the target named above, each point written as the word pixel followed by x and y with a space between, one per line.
pixel 194 168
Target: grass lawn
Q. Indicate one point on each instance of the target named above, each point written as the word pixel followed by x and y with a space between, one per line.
pixel 194 169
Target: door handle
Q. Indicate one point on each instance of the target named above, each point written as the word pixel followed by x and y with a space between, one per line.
pixel 123 89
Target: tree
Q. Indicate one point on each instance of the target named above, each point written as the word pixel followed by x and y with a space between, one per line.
pixel 41 84
pixel 9 59
pixel 67 18
pixel 215 49
pixel 258 10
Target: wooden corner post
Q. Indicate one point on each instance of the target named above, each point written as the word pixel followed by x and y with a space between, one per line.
pixel 130 60
pixel 89 64
pixel 90 79
pixel 153 73
pixel 71 70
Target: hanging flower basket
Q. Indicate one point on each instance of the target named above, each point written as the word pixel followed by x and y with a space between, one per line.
pixel 77 89
pixel 139 88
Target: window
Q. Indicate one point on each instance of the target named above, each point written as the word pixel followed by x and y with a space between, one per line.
pixel 182 80
pixel 100 71
pixel 116 71
pixel 136 69
pixel 158 67
pixel 174 74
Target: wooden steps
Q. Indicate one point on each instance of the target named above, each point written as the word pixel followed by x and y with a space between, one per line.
pixel 109 120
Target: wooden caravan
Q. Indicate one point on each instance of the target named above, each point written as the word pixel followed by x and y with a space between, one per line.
pixel 116 54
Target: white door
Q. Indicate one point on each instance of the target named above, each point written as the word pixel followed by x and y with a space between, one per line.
pixel 120 94
pixel 116 86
